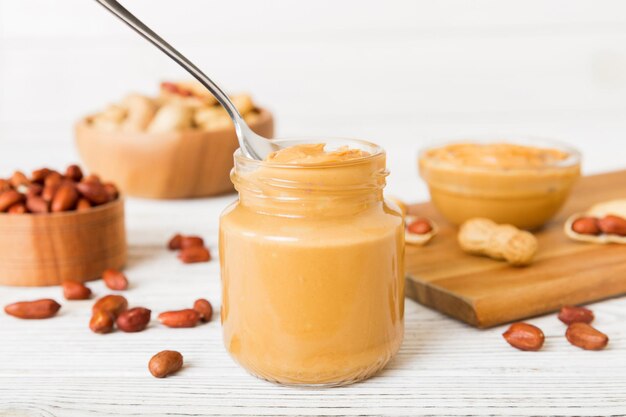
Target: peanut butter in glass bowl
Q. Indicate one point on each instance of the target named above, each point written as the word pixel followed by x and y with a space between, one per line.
pixel 523 183
pixel 312 261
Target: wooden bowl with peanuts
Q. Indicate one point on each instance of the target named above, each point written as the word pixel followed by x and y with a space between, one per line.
pixel 57 226
pixel 178 145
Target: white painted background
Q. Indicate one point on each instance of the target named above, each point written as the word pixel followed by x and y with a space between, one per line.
pixel 399 73
pixel 396 72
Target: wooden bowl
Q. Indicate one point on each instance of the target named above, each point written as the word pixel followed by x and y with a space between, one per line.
pixel 46 249
pixel 183 164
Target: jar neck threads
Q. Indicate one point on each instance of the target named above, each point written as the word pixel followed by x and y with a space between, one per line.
pixel 293 190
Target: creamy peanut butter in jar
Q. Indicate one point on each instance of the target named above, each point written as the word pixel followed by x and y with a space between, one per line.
pixel 312 261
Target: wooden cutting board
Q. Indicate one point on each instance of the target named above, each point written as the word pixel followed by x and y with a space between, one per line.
pixel 485 292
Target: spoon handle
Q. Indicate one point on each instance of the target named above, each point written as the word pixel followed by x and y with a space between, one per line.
pixel 128 18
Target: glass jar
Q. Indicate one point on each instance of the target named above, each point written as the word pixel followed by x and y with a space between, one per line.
pixel 312 263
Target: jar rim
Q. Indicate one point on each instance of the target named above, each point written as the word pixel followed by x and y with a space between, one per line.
pixel 371 148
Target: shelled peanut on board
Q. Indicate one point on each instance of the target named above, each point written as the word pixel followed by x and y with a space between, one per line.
pixel 503 242
pixel 603 223
pixel 418 230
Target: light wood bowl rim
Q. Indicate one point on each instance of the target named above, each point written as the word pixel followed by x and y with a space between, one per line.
pixel 60 214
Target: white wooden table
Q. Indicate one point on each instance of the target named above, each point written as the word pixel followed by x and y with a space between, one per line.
pixel 554 68
pixel 58 367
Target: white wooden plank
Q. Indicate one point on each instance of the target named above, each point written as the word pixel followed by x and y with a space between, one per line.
pixel 444 367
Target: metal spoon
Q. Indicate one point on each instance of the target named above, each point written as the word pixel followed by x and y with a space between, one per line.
pixel 251 144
